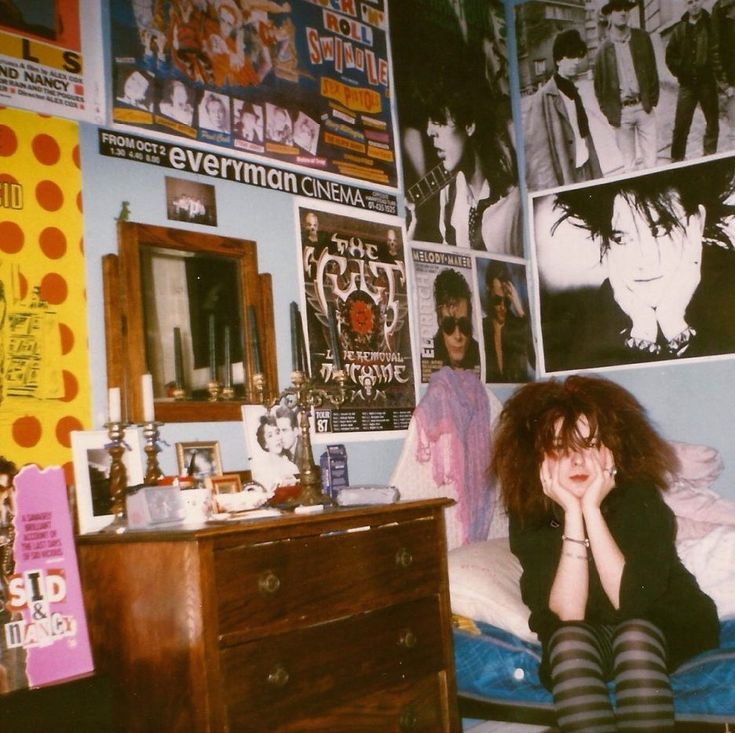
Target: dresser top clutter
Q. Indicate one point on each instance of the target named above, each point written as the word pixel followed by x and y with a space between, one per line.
pixel 337 621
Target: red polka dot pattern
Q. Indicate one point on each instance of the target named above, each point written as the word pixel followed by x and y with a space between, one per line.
pixel 54 288
pixel 8 141
pixel 46 149
pixel 42 259
pixel 64 428
pixel 49 196
pixel 11 237
pixel 27 431
pixel 53 243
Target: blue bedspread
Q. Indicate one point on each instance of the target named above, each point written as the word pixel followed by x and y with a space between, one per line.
pixel 503 668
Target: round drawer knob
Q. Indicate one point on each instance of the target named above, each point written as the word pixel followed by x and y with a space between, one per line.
pixel 278 676
pixel 408 639
pixel 269 582
pixel 408 719
pixel 404 558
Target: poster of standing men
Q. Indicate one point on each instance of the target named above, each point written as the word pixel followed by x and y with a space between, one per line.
pixel 356 313
pixel 297 81
pixel 620 86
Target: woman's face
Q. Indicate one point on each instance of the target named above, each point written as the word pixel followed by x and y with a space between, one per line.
pixel 576 466
pixel 646 257
pixel 272 438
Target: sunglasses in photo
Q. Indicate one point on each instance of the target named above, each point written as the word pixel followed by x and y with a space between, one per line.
pixel 449 323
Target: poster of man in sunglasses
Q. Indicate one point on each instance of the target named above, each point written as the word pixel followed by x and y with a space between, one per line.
pixel 506 330
pixel 445 314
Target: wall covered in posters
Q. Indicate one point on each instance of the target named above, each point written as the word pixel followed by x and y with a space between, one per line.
pixel 44 370
pixel 49 60
pixel 303 82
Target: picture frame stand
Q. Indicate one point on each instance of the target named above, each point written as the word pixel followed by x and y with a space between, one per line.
pixel 118 477
pixel 305 396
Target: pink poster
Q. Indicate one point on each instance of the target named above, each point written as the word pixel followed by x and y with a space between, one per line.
pixel 43 629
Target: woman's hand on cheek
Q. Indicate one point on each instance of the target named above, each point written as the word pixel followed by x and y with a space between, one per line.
pixel 603 478
pixel 552 486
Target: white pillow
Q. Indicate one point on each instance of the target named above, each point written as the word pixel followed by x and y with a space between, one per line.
pixel 484 585
pixel 711 559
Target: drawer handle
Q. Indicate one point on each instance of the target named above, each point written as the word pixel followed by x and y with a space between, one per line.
pixel 408 639
pixel 278 676
pixel 408 719
pixel 269 583
pixel 404 558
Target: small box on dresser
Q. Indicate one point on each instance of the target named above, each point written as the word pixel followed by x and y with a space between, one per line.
pixel 337 622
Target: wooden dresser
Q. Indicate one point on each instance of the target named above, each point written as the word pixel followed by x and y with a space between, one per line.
pixel 337 622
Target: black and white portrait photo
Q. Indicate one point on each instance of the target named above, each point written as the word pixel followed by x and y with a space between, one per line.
pixel 274 444
pixel 638 270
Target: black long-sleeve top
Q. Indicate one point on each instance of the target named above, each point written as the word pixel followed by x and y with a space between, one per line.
pixel 655 584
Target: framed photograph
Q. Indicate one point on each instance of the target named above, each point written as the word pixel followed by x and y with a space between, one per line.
pixel 199 460
pixel 274 444
pixel 230 495
pixel 92 474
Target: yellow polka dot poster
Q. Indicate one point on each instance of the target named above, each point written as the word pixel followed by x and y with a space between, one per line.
pixel 44 366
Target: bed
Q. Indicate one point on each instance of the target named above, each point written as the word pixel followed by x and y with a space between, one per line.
pixel 497 656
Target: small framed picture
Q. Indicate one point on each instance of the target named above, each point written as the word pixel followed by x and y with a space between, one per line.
pixel 230 495
pixel 199 460
pixel 92 474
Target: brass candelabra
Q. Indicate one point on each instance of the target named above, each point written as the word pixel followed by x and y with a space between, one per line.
pixel 304 396
pixel 118 476
pixel 152 448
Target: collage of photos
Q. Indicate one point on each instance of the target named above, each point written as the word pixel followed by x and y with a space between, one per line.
pixel 289 80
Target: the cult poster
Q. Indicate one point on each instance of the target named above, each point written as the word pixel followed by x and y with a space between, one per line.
pixel 355 304
pixel 304 82
pixel 48 60
pixel 43 630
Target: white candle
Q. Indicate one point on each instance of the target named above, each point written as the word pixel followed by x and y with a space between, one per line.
pixel 113 404
pixel 146 384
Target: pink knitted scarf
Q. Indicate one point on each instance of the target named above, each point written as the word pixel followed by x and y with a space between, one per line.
pixel 456 405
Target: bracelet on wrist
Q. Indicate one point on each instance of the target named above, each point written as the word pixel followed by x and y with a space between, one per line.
pixel 648 347
pixel 680 343
pixel 584 542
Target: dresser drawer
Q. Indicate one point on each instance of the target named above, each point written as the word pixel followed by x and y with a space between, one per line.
pixel 278 585
pixel 412 707
pixel 330 663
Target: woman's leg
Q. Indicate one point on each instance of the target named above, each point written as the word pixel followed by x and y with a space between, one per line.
pixel 642 684
pixel 576 656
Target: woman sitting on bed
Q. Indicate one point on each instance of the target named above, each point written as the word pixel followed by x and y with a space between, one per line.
pixel 580 468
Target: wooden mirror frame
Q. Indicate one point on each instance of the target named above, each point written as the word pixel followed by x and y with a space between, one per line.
pixel 125 320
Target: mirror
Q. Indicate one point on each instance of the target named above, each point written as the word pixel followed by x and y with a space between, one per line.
pixel 192 310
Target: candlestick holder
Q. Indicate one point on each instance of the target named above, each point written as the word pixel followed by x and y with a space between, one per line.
pixel 118 480
pixel 152 448
pixel 305 396
pixel 215 389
